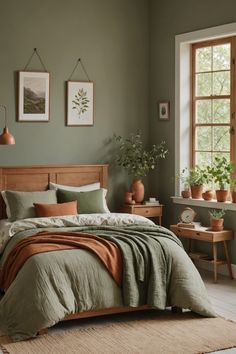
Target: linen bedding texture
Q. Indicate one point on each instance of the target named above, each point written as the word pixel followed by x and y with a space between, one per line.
pixel 156 271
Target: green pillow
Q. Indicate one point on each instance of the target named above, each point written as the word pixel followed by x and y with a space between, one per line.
pixel 21 204
pixel 87 202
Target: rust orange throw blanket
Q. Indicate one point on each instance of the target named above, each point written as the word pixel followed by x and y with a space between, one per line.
pixel 107 251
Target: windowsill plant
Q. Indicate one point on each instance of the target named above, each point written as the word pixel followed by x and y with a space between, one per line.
pixel 220 171
pixel 195 179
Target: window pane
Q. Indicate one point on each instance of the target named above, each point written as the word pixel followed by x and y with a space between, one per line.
pixel 226 155
pixel 203 59
pixel 221 111
pixel 203 138
pixel 221 57
pixel 221 139
pixel 203 111
pixel 221 83
pixel 203 84
pixel 203 159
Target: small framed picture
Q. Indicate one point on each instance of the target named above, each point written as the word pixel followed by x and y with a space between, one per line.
pixel 164 110
pixel 33 96
pixel 79 103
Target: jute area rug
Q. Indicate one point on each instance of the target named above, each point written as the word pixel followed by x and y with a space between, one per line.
pixel 149 333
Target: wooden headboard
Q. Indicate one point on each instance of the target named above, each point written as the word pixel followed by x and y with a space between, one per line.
pixel 37 178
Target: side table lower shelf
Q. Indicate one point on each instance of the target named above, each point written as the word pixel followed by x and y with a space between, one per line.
pixel 213 237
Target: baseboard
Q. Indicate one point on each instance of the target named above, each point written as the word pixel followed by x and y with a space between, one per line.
pixel 221 270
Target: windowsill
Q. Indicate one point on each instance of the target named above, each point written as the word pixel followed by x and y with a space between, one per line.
pixel 205 204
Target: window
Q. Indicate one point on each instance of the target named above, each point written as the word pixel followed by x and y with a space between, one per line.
pixel 213 101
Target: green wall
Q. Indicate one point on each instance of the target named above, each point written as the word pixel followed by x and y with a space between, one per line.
pixel 112 39
pixel 167 19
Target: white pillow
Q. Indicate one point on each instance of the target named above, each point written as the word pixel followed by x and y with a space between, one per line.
pixel 85 188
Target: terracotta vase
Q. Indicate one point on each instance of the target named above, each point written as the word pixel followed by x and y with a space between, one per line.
pixel 186 194
pixel 137 188
pixel 208 195
pixel 196 192
pixel 233 195
pixel 221 195
pixel 217 224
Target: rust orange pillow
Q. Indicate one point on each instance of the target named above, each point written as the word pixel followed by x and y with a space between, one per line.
pixel 60 209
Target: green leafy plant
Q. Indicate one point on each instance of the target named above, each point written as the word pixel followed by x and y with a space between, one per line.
pixel 220 171
pixel 133 156
pixel 195 176
pixel 81 102
pixel 217 213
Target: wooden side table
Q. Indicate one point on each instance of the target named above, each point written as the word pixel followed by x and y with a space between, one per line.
pixel 206 235
pixel 149 211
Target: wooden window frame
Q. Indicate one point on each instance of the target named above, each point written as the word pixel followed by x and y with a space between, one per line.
pixel 232 96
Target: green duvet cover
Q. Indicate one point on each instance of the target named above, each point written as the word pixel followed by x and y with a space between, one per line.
pixel 156 272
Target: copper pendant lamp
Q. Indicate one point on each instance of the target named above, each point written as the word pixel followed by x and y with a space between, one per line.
pixel 6 138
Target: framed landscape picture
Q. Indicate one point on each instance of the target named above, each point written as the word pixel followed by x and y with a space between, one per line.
pixel 79 103
pixel 33 100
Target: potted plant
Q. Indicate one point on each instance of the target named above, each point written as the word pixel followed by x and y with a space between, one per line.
pixel 137 160
pixel 216 219
pixel 196 180
pixel 208 194
pixel 220 172
pixel 233 189
pixel 183 176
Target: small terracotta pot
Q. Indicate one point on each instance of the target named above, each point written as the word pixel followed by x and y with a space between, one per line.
pixel 128 198
pixel 233 195
pixel 137 188
pixel 208 195
pixel 217 224
pixel 186 194
pixel 221 195
pixel 196 192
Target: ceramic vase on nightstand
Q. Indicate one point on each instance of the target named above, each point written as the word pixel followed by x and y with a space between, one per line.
pixel 137 188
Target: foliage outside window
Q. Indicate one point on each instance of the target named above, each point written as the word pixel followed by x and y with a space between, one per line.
pixel 213 102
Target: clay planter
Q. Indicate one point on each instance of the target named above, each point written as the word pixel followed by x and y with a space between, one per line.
pixel 233 195
pixel 221 195
pixel 129 198
pixel 208 195
pixel 217 224
pixel 137 188
pixel 186 194
pixel 196 192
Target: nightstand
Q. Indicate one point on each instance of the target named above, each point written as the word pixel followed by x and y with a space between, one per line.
pixel 207 235
pixel 149 211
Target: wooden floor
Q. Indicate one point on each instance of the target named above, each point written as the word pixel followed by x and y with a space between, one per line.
pixel 223 298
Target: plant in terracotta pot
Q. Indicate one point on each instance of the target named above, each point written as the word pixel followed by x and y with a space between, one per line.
pixel 216 219
pixel 137 160
pixel 220 172
pixel 183 176
pixel 233 189
pixel 208 194
pixel 195 178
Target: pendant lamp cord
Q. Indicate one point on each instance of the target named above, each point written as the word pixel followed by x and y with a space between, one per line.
pixel 79 61
pixel 37 53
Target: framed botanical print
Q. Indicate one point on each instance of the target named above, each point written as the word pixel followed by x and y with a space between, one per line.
pixel 33 99
pixel 79 103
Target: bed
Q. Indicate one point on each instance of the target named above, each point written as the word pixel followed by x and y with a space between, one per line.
pixel 76 283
